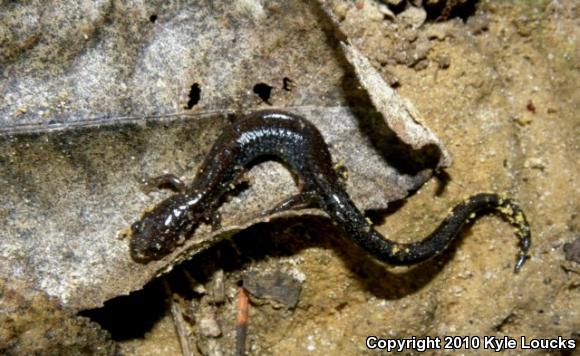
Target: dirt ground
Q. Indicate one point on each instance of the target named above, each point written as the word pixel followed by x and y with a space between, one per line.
pixel 497 81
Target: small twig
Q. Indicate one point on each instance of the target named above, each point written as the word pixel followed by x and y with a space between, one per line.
pixel 242 322
pixel 178 321
pixel 181 328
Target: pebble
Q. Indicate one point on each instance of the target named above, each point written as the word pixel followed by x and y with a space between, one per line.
pixel 478 24
pixel 443 61
pixel 413 17
pixel 535 163
pixel 208 325
pixel 572 251
pixel 278 286
pixel 439 31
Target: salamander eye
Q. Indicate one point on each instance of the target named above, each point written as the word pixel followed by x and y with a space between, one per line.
pixel 136 227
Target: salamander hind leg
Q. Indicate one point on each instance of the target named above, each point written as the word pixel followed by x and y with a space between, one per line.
pixel 341 173
pixel 302 200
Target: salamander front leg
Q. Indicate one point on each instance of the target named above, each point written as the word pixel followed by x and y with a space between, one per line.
pixel 165 181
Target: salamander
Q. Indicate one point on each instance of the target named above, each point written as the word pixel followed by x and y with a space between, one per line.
pixel 298 144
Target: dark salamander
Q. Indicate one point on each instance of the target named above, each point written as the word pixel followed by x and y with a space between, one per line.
pixel 299 145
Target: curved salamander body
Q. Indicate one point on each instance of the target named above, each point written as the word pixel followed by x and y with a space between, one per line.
pixel 300 146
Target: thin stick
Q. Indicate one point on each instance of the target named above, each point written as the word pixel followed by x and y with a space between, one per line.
pixel 178 322
pixel 181 328
pixel 242 322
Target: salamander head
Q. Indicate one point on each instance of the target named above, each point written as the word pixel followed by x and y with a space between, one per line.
pixel 160 230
